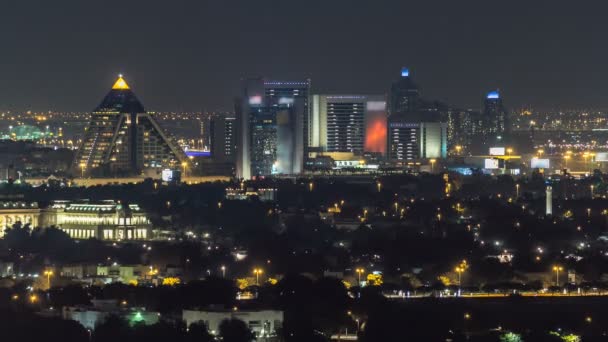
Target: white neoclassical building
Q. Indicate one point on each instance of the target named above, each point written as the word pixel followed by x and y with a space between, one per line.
pixel 12 212
pixel 105 220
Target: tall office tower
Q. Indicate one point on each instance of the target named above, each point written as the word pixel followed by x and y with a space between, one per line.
pixel 348 123
pixel 271 119
pixel 410 137
pixel 222 137
pixel 404 96
pixel 122 139
pixel 205 129
pixel 463 126
pixel 495 121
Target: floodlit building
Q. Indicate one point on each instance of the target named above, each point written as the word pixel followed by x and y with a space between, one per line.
pixel 495 125
pixel 263 323
pixel 27 213
pixel 348 123
pixel 404 94
pixel 91 316
pixel 222 137
pixel 410 137
pixel 123 139
pixel 272 120
pixel 105 220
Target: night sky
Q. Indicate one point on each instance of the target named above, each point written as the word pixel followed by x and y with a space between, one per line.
pixel 189 55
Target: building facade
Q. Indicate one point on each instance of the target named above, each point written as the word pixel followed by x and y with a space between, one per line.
pixel 404 95
pixel 412 139
pixel 106 220
pixel 90 316
pixel 263 323
pixel 18 212
pixel 271 122
pixel 222 138
pixel 123 139
pixel 495 125
pixel 348 123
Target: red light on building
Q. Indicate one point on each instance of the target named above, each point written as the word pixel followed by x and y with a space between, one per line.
pixel 375 134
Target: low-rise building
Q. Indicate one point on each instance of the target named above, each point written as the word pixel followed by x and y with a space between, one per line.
pixel 11 212
pixel 126 273
pixel 263 323
pixel 105 220
pixel 92 315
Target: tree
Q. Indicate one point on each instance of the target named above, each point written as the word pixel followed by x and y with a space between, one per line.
pixel 235 330
pixel 113 329
pixel 510 337
pixel 198 332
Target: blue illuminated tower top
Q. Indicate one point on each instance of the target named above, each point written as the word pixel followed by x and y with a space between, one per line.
pixel 405 72
pixel 494 94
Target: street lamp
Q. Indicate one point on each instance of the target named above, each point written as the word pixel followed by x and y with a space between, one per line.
pixel 591 190
pixel 83 166
pixel 517 189
pixel 311 186
pixel 509 151
pixel 459 270
pixel 359 272
pixel 566 158
pixel 557 269
pixel 48 274
pixel 379 186
pixel 433 161
pixel 257 272
pixel 223 271
pixel 184 165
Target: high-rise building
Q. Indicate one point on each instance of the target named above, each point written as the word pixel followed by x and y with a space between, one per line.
pixel 272 120
pixel 222 137
pixel 348 123
pixel 495 126
pixel 463 126
pixel 404 95
pixel 410 137
pixel 123 139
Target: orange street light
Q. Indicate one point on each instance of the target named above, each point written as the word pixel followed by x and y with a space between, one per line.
pixel 257 272
pixel 48 274
pixel 359 272
pixel 557 269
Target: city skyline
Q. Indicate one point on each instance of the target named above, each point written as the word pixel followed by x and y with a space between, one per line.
pixel 188 57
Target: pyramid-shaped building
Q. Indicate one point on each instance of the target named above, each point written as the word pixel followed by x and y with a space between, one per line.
pixel 123 140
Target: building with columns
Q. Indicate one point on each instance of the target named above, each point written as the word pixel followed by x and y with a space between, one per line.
pixel 12 212
pixel 105 220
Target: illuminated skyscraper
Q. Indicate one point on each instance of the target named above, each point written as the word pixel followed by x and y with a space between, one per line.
pixel 495 126
pixel 410 137
pixel 348 123
pixel 404 96
pixel 271 121
pixel 122 139
pixel 222 137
